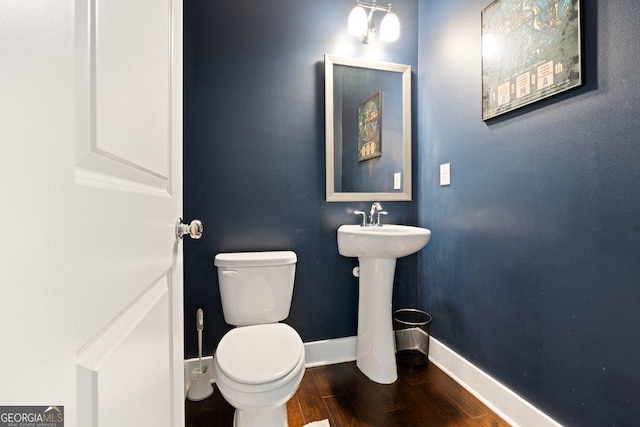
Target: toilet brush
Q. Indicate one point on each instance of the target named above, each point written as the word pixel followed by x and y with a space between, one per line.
pixel 201 387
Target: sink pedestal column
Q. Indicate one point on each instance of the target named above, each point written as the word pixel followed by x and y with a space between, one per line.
pixel 376 350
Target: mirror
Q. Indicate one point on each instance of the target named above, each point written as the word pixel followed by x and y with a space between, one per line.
pixel 368 130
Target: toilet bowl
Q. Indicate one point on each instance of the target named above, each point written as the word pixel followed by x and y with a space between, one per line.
pixel 257 370
pixel 259 365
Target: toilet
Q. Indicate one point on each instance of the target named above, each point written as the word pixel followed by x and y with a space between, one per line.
pixel 259 364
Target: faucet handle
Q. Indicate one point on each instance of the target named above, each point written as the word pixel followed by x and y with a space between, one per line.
pixel 379 223
pixel 364 217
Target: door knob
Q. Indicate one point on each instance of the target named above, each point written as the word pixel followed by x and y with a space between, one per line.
pixel 194 229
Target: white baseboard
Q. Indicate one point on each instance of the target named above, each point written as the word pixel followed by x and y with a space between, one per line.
pixel 329 352
pixel 508 405
pixel 504 402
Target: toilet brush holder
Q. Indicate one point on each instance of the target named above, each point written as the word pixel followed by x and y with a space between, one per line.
pixel 200 387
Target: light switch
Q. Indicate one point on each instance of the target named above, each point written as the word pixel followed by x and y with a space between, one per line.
pixel 445 174
pixel 397 180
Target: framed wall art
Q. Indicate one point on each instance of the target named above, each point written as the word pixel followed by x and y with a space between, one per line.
pixel 531 49
pixel 369 124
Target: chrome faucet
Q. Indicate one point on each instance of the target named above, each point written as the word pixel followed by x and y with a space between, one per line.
pixel 378 221
pixel 375 207
pixel 364 218
pixel 373 219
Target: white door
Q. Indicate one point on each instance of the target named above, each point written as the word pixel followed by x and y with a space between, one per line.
pixel 91 187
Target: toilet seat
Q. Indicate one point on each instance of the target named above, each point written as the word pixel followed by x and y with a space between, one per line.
pixel 260 355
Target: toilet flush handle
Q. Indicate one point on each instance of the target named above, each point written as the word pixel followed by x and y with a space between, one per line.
pixel 229 272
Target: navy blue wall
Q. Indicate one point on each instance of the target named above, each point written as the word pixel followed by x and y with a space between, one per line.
pixel 254 153
pixel 533 269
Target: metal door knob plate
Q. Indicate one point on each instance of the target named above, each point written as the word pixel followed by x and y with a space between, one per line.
pixel 194 229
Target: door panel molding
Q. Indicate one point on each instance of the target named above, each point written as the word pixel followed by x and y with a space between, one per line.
pixel 121 366
pixel 124 122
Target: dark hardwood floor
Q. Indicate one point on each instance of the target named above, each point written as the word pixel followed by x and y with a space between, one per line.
pixel 346 397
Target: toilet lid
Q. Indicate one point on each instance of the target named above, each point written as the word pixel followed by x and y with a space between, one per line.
pixel 259 354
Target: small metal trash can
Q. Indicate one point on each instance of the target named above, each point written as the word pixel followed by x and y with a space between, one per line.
pixel 412 329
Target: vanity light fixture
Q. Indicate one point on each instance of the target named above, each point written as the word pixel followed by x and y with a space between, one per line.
pixel 361 25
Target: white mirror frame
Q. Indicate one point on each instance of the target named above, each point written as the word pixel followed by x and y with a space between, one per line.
pixel 405 70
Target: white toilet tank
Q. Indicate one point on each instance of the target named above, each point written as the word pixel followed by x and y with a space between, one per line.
pixel 256 287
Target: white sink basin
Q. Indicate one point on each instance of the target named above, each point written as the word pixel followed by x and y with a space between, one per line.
pixel 388 241
pixel 377 249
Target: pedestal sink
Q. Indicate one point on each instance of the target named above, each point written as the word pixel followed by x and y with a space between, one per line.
pixel 377 248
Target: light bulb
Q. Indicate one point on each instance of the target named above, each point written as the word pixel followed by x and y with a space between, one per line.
pixel 390 28
pixel 358 22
